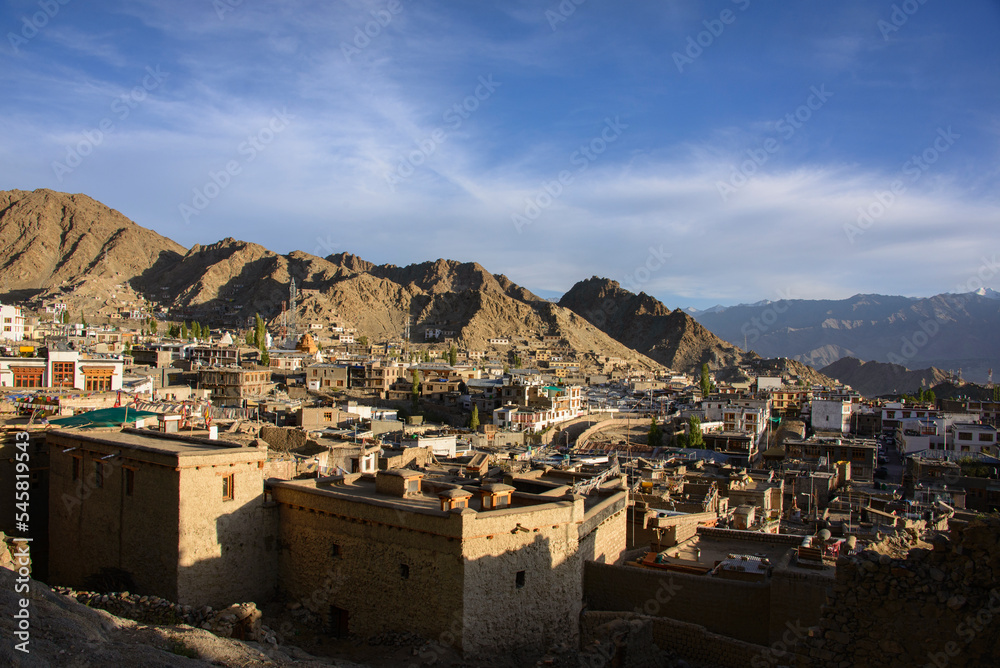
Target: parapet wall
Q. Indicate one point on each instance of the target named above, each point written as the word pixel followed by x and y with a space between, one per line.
pixel 934 608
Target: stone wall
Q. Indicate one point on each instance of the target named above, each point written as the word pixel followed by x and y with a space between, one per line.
pixel 691 642
pixel 935 607
pixel 738 609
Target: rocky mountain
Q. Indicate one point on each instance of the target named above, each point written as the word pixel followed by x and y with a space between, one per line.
pixel 643 323
pixel 948 331
pixel 84 253
pixel 55 243
pixel 873 379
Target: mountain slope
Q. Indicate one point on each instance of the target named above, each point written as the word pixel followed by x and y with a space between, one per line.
pixel 643 323
pixel 948 331
pixel 873 379
pixel 51 241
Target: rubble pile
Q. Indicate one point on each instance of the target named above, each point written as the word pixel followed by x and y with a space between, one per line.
pixel 241 621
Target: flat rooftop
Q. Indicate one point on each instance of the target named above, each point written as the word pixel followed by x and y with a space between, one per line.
pixel 149 441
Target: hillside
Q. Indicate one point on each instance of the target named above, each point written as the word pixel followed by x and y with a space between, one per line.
pixel 643 323
pixel 947 331
pixel 874 379
pixel 79 251
pixel 53 243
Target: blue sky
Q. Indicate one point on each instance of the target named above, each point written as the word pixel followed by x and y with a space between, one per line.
pixel 703 152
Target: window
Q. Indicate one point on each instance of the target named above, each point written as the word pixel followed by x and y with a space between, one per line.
pixel 335 551
pixel 76 468
pixel 965 435
pixel 328 417
pixel 62 374
pixel 26 376
pixel 129 481
pixel 404 571
pixel 99 474
pixel 985 436
pixel 519 580
pixel 228 482
pixel 97 379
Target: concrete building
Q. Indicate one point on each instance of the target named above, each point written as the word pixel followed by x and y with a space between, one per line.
pixel 11 323
pixel 486 568
pixel 63 368
pixel 182 518
pixel 831 415
pixel 230 386
pixel 324 376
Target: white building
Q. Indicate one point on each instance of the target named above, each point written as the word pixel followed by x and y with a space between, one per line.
pixel 829 415
pixel 63 369
pixel 11 323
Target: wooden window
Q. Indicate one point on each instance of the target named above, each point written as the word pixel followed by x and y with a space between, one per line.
pixel 27 376
pixel 99 474
pixel 76 468
pixel 97 379
pixel 519 580
pixel 129 481
pixel 228 484
pixel 335 551
pixel 404 571
pixel 63 374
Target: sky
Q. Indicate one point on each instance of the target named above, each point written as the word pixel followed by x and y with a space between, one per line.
pixel 702 152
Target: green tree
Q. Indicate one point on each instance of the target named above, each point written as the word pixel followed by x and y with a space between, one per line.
pixel 83 319
pixel 517 361
pixel 426 357
pixel 453 355
pixel 695 439
pixel 265 359
pixel 195 330
pixel 173 331
pixel 474 418
pixel 259 332
pixel 249 338
pixel 205 331
pixel 706 382
pixel 152 326
pixel 65 317
pixel 184 331
pixel 415 391
pixel 363 340
pixel 655 436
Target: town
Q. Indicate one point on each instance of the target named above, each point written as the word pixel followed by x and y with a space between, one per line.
pixel 310 486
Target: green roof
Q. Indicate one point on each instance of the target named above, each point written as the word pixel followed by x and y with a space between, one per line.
pixel 105 417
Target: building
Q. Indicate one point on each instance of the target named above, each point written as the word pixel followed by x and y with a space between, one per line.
pixel 538 407
pixel 831 415
pixel 63 368
pixel 187 515
pixel 485 567
pixel 861 453
pixel 214 355
pixel 231 386
pixel 11 323
pixel 327 376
